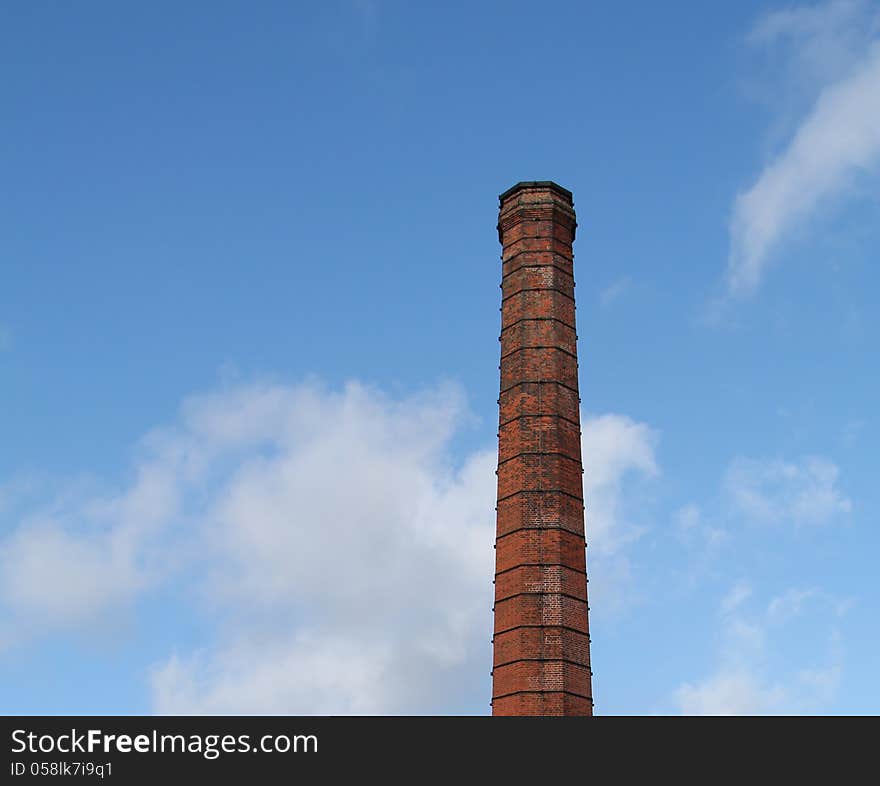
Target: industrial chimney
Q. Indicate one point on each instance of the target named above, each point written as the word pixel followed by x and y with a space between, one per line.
pixel 541 641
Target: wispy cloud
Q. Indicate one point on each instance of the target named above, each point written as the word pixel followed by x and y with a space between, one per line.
pixel 615 447
pixel 619 456
pixel 84 554
pixel 835 47
pixel 692 530
pixel 743 682
pixel 773 490
pixel 739 593
pixel 614 291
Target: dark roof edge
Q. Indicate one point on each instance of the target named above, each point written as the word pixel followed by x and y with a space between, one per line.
pixel 536 184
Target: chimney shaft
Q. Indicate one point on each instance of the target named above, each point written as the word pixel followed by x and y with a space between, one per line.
pixel 541 641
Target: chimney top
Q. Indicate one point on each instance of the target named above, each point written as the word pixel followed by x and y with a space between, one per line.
pixel 548 184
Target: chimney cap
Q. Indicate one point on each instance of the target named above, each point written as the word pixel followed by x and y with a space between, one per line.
pixel 548 184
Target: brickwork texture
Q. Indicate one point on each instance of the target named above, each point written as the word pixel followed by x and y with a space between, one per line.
pixel 541 641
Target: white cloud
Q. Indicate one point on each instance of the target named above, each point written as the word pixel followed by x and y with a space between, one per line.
pixel 757 669
pixel 743 682
pixel 70 561
pixel 739 593
pixel 358 558
pixel 57 577
pixel 393 574
pixel 815 45
pixel 821 684
pixel 618 453
pixel 772 491
pixel 688 517
pixel 309 673
pixel 614 447
pixel 790 603
pixel 692 530
pixel 733 692
pixel 835 46
pixel 343 559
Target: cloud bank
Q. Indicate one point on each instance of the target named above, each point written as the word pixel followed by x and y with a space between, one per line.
pixel 340 553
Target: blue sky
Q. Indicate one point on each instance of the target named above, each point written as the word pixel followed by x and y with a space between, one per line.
pixel 248 348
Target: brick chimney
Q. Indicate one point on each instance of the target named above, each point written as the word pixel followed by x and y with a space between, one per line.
pixel 541 641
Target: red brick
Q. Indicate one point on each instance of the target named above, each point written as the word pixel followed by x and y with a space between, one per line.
pixel 540 579
pixel 545 704
pixel 539 433
pixel 541 642
pixel 537 303
pixel 538 333
pixel 540 510
pixel 547 545
pixel 539 399
pixel 545 641
pixel 537 277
